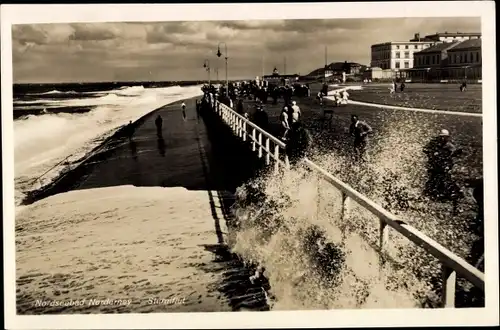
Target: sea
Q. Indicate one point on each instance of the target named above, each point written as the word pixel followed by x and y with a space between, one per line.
pixel 56 124
pixel 59 124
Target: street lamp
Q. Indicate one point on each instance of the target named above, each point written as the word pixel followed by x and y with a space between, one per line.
pixel 206 65
pixel 219 55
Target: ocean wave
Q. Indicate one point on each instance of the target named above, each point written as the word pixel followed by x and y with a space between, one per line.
pixel 44 140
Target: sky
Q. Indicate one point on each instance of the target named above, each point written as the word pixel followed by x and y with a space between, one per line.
pixel 163 51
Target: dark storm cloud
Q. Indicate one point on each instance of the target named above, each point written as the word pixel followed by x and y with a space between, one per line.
pixel 176 50
pixel 87 32
pixel 26 34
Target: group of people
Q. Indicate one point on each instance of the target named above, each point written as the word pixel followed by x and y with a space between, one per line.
pixel 340 97
pixel 394 87
pixel 440 151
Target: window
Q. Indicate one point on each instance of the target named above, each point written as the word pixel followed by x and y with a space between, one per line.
pixel 397 65
pixel 461 58
pixel 438 59
pixel 471 58
pixel 397 46
pixel 415 47
pixel 407 54
pixel 407 65
pixel 427 60
pixel 398 55
pixel 406 47
pixel 477 57
pixel 433 59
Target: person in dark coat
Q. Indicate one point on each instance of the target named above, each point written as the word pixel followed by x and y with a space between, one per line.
pixel 159 125
pixel 402 87
pixel 239 107
pixel 299 143
pixel 441 154
pixel 261 118
pixel 360 130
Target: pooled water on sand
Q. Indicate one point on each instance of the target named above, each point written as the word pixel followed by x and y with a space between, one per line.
pixel 315 259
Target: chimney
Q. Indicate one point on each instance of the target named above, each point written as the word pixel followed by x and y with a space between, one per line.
pixel 417 36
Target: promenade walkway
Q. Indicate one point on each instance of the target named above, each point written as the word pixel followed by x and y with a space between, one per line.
pixel 147 223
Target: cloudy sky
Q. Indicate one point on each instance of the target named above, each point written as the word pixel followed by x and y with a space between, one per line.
pixel 153 51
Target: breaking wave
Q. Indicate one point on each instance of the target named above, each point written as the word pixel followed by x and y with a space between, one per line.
pixel 42 141
pixel 315 258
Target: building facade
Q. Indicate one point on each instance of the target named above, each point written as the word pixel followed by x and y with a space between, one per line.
pixel 449 61
pixel 396 55
pixel 399 57
pixel 465 60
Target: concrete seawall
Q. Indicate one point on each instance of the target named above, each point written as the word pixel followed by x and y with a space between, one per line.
pixel 67 180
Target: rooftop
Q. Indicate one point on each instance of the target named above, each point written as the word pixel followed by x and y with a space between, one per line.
pixel 403 43
pixel 472 43
pixel 453 34
pixel 438 48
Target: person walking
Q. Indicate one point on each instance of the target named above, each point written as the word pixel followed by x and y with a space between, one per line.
pixel 360 130
pixel 183 107
pixel 441 154
pixel 284 123
pixel 299 143
pixel 159 125
pixel 261 118
pixel 239 107
pixel 296 114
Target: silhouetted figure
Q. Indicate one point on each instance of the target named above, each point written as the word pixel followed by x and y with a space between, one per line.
pixel 299 143
pixel 441 153
pixel 129 130
pixel 239 107
pixel 183 107
pixel 261 118
pixel 159 125
pixel 133 149
pixel 360 130
pixel 463 87
pixel 198 108
pixel 161 146
pixel 402 87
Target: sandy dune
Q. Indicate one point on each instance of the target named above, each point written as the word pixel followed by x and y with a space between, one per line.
pixel 133 249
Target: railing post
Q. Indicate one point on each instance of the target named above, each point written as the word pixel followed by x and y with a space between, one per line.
pixel 343 213
pixel 276 158
pixel 287 162
pixel 449 283
pixel 268 151
pixel 253 138
pixel 260 145
pixel 244 130
pixel 318 196
pixel 383 239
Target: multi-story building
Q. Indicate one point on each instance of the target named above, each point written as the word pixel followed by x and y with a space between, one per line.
pixel 396 55
pixel 465 60
pixel 449 61
pixel 435 56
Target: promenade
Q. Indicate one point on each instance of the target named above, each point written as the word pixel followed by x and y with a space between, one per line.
pixel 146 225
pixel 149 218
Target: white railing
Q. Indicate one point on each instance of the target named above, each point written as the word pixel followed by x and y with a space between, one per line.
pixel 265 144
pixel 452 265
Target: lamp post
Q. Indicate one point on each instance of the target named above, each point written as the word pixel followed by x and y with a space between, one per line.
pixel 206 65
pixel 225 57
